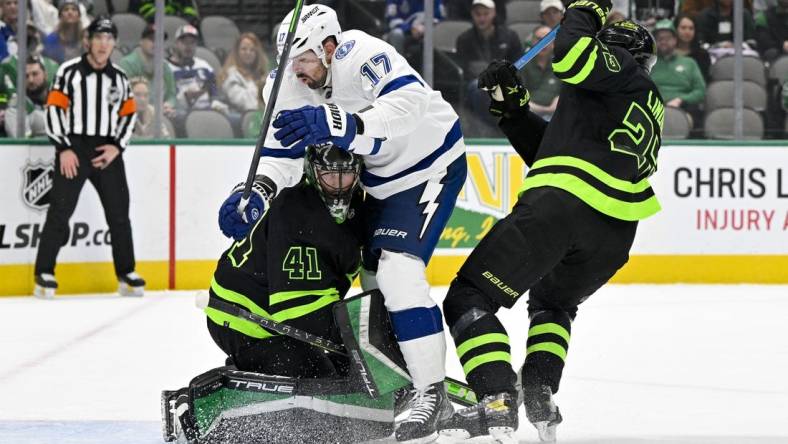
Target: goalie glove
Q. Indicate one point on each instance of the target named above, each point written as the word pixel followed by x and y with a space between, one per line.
pixel 508 95
pixel 237 225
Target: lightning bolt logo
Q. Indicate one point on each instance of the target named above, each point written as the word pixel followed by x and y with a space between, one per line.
pixel 429 199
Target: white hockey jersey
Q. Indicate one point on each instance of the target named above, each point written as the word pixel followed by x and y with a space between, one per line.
pixel 410 131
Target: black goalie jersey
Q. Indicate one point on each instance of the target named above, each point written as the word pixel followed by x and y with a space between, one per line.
pixel 292 266
pixel 602 142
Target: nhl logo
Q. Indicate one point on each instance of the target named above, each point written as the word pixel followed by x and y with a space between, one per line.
pixel 37 182
pixel 113 95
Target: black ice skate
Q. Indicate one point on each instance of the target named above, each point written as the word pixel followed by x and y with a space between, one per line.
pixel 45 286
pixel 495 415
pixel 427 407
pixel 542 411
pixel 131 284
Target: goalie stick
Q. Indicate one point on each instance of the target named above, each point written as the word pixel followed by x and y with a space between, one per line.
pixel 534 50
pixel 457 390
pixel 269 107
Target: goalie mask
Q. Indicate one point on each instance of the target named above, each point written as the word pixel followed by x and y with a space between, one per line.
pixel 633 37
pixel 318 22
pixel 335 174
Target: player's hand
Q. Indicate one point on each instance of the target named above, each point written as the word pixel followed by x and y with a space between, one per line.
pixel 507 92
pixel 69 162
pixel 108 153
pixel 237 225
pixel 312 125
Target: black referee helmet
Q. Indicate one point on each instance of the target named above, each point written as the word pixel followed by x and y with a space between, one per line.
pixel 102 24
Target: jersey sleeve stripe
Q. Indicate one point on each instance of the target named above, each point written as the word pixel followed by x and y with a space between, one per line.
pixel 398 83
pixel 452 137
pixel 586 70
pixel 572 56
pixel 287 153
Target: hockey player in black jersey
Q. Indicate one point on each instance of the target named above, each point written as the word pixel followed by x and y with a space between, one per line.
pixel 298 259
pixel 573 224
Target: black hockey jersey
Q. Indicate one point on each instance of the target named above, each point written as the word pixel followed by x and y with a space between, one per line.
pixel 602 142
pixel 292 266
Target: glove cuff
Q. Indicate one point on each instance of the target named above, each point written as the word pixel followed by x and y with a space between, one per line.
pixel 599 11
pixel 262 185
pixel 338 122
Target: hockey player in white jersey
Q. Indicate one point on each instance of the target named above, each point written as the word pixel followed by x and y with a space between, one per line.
pixel 357 92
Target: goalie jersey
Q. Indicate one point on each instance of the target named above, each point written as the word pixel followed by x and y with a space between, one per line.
pixel 410 131
pixel 291 267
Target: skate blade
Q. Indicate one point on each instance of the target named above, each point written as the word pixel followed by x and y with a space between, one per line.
pixel 422 440
pixel 43 293
pixel 126 290
pixel 452 435
pixel 503 435
pixel 546 431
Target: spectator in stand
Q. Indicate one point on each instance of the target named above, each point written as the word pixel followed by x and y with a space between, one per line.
pixel 772 31
pixel 715 25
pixel 195 81
pixel 678 77
pixel 245 67
pixel 538 77
pixel 688 44
pixel 405 20
pixel 251 127
pixel 65 43
pixel 186 9
pixel 694 7
pixel 461 10
pixel 144 128
pixel 552 12
pixel 37 89
pixel 139 63
pixel 8 27
pixel 8 65
pixel 477 47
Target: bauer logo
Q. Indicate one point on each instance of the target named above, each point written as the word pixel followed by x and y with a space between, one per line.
pixel 500 284
pixel 391 232
pixel 36 184
pixel 345 49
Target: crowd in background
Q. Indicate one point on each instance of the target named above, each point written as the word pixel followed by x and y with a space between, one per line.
pixel 691 36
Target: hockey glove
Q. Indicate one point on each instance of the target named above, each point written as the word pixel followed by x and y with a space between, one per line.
pixel 313 125
pixel 237 225
pixel 507 93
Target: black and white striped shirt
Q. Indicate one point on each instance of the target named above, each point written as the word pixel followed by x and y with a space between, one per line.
pixel 87 102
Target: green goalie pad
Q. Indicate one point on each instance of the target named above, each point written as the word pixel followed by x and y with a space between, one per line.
pixel 233 407
pixel 366 331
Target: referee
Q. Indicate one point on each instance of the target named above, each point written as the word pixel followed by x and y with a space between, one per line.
pixel 90 119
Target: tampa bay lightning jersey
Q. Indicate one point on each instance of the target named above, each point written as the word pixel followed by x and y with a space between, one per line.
pixel 410 131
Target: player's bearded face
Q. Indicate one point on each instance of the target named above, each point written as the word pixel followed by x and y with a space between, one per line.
pixel 310 70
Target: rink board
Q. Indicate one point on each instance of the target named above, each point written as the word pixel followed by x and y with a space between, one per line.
pixel 724 217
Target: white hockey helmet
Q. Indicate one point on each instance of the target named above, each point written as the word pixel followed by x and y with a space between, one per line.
pixel 318 22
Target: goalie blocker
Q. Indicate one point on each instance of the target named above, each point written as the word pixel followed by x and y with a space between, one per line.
pixel 228 406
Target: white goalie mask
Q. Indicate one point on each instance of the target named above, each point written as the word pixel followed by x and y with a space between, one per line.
pixel 318 22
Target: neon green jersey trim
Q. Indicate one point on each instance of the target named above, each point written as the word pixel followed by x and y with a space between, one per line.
pixel 481 340
pixel 486 358
pixel 598 200
pixel 549 347
pixel 550 327
pixel 283 296
pixel 571 57
pixel 598 173
pixel 587 68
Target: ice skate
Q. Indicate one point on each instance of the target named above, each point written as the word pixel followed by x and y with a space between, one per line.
pixel 131 284
pixel 45 286
pixel 427 408
pixel 542 411
pixel 495 415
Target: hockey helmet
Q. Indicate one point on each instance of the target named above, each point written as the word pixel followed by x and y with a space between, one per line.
pixel 318 22
pixel 102 24
pixel 335 173
pixel 633 37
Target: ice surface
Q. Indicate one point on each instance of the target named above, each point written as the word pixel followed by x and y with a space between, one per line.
pixel 647 364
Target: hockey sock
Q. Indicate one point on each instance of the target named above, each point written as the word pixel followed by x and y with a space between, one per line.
pixel 485 355
pixel 547 346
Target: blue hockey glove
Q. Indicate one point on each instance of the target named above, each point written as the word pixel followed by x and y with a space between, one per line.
pixel 237 225
pixel 314 125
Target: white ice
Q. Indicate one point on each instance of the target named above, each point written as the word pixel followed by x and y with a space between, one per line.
pixel 647 364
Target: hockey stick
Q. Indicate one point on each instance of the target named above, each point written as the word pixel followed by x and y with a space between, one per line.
pixel 457 390
pixel 534 50
pixel 269 107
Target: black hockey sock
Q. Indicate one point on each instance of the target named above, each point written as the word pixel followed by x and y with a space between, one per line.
pixel 547 346
pixel 485 355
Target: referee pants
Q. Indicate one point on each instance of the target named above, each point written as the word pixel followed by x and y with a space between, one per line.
pixel 113 191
